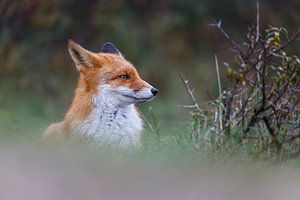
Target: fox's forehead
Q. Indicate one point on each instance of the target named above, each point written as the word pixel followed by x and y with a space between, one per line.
pixel 115 64
pixel 111 60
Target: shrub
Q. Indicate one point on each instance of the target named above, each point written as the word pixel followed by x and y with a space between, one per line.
pixel 259 108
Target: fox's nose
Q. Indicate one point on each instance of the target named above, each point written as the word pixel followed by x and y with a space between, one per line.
pixel 154 91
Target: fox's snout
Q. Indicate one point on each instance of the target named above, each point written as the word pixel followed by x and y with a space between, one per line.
pixel 124 95
pixel 154 91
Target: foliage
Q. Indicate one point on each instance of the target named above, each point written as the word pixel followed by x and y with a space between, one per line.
pixel 160 38
pixel 260 107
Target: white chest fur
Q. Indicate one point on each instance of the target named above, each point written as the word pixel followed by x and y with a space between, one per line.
pixel 110 124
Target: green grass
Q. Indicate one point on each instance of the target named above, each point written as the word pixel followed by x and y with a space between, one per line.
pixel 25 115
pixel 21 117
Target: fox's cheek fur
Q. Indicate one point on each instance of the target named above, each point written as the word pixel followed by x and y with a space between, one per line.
pixel 122 95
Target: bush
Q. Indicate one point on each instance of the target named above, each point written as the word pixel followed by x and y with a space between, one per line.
pixel 259 108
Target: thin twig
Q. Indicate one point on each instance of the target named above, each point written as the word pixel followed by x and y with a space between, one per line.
pixel 272 134
pixel 220 94
pixel 190 92
pixel 293 38
pixel 257 22
pixel 218 25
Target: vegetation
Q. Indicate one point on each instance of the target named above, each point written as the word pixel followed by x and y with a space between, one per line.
pixel 251 102
pixel 259 109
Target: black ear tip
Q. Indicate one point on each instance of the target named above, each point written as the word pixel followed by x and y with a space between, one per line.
pixel 109 47
pixel 108 43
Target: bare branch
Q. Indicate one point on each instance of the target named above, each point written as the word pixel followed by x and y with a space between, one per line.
pixel 293 38
pixel 257 22
pixel 235 46
pixel 190 92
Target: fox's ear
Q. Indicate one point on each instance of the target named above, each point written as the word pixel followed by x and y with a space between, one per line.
pixel 81 57
pixel 109 47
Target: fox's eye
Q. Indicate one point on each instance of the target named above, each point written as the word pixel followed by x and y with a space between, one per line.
pixel 125 76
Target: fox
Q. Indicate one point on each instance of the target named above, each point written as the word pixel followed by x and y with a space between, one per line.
pixel 103 109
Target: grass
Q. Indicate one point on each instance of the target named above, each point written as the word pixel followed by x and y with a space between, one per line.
pixel 21 117
pixel 171 164
pixel 25 115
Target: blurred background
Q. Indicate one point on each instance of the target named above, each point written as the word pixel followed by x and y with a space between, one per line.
pixel 161 38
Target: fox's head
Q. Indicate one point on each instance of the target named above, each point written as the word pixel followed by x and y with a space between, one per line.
pixel 107 74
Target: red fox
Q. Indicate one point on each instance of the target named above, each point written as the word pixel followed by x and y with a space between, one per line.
pixel 103 107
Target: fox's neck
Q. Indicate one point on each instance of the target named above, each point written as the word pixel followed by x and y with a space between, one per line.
pixel 97 116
